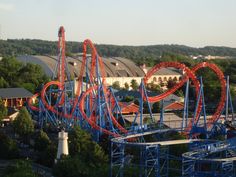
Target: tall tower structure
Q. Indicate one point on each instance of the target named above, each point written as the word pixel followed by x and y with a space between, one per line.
pixel 62 144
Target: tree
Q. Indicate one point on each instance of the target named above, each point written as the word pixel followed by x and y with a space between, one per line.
pixel 126 86
pixel 23 124
pixel 162 84
pixel 154 87
pixel 47 156
pixel 145 107
pixel 80 142
pixel 19 168
pixel 3 110
pixel 14 74
pixel 170 84
pixel 42 141
pixel 3 83
pixel 87 157
pixel 116 85
pixel 127 99
pixel 134 84
pixel 45 148
pixel 156 107
pixel 8 147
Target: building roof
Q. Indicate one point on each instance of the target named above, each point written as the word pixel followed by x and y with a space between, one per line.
pixel 114 66
pixel 11 111
pixel 127 108
pixel 174 106
pixel 14 93
pixel 166 71
pixel 135 94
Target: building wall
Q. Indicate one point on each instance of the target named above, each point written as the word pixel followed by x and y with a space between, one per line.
pixel 123 80
pixel 14 102
pixel 156 79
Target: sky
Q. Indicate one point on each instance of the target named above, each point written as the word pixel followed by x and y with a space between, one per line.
pixel 195 23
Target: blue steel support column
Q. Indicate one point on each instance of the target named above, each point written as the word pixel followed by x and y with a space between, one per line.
pixel 87 97
pixel 117 159
pixel 146 96
pixel 98 100
pixel 186 101
pixel 162 113
pixel 203 105
pixel 117 104
pixel 228 101
pixel 232 107
pixel 41 116
pixel 152 160
pixel 200 98
pixel 227 98
pixel 141 107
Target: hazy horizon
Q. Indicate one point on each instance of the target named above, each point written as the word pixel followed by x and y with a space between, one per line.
pixel 198 23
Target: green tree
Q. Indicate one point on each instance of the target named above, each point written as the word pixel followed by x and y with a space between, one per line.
pixel 47 156
pixel 45 148
pixel 9 68
pixel 134 84
pixel 3 110
pixel 116 85
pixel 154 87
pixel 8 147
pixel 3 83
pixel 80 142
pixel 170 83
pixel 127 99
pixel 145 107
pixel 42 141
pixel 126 86
pixel 23 124
pixel 14 74
pixel 87 157
pixel 19 169
pixel 156 107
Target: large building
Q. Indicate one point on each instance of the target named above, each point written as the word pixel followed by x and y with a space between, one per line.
pixel 117 69
pixel 14 97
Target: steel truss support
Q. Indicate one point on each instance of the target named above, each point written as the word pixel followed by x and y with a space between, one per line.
pixel 117 161
pixel 186 102
pixel 202 161
pixel 155 161
pixel 196 128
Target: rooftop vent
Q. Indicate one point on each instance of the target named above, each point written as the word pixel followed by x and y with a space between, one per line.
pixel 115 63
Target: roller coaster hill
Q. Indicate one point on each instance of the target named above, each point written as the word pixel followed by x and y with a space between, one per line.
pixel 143 149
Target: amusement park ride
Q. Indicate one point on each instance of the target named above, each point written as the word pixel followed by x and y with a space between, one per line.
pixel 97 110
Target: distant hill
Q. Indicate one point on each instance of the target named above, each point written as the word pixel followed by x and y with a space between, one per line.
pixel 41 47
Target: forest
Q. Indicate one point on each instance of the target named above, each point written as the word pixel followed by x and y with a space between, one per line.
pixel 14 47
pixel 15 74
pixel 12 72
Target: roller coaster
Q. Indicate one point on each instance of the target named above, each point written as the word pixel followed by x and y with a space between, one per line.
pixel 95 108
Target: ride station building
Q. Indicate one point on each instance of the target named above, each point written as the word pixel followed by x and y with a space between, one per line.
pixel 14 97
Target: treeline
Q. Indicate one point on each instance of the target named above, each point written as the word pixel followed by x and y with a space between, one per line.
pixel 16 74
pixel 42 47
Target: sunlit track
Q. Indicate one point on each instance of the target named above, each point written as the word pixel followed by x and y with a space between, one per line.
pixel 31 100
pixel 190 74
pixel 91 119
pixel 138 143
pixel 66 108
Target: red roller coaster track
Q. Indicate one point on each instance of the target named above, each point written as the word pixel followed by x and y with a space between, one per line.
pixel 96 61
pixel 190 74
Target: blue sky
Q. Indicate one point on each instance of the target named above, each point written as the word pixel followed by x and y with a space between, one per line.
pixel 125 22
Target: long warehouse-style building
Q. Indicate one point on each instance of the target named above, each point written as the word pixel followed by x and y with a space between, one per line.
pixel 118 69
